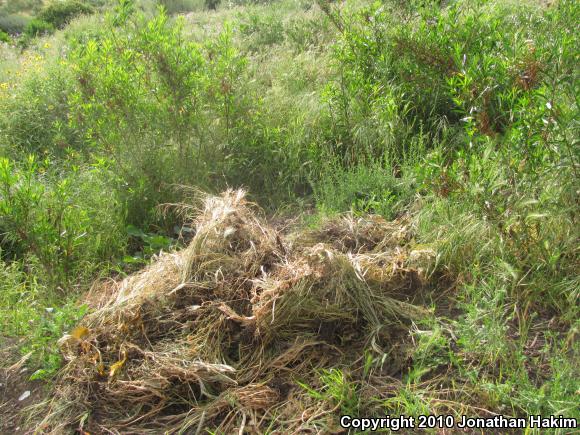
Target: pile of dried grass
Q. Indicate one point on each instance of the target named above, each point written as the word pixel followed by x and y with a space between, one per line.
pixel 217 335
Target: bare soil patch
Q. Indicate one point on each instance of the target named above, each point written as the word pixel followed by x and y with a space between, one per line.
pixel 14 383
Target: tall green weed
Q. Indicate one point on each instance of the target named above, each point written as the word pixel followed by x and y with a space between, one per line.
pixel 65 224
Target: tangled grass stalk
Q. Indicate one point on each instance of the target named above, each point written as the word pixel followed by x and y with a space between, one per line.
pixel 218 334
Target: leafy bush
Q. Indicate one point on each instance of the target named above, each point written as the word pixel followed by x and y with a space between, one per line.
pixel 261 30
pixel 13 24
pixel 362 189
pixel 37 27
pixel 443 67
pixel 306 33
pixel 4 37
pixel 48 325
pixel 18 6
pixel 35 117
pixel 212 4
pixel 66 223
pixel 511 178
pixel 60 13
pixel 150 108
pixel 478 93
pixel 181 6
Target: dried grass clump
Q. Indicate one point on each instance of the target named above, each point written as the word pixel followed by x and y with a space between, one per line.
pixel 216 335
pixel 359 234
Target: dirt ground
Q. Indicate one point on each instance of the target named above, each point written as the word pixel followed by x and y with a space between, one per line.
pixel 14 381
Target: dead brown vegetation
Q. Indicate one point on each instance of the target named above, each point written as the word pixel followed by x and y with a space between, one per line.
pixel 218 334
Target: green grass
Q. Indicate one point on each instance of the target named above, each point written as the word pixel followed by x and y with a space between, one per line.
pixel 30 310
pixel 463 117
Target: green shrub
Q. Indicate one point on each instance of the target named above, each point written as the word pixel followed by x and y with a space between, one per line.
pixel 60 13
pixel 181 6
pixel 362 189
pixel 438 67
pixel 4 37
pixel 261 29
pixel 65 223
pixel 147 97
pixel 304 33
pixel 13 24
pixel 481 85
pixel 268 159
pixel 48 325
pixel 31 311
pixel 37 27
pixel 35 118
pixel 82 30
pixel 212 4
pixel 19 6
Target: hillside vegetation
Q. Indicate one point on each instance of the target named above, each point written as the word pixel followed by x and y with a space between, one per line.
pixel 415 169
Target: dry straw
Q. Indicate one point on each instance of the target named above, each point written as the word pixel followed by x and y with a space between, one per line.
pixel 220 334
